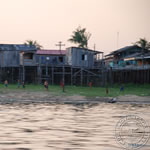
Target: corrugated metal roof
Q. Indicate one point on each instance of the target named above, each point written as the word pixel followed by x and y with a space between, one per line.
pixel 51 52
pixel 133 55
pixel 18 47
pixel 122 50
pixel 94 51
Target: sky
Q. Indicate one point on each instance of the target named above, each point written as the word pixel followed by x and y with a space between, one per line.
pixel 113 23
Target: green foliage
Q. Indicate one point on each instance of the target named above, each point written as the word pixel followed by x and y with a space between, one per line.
pixel 129 89
pixel 143 43
pixel 33 43
pixel 80 37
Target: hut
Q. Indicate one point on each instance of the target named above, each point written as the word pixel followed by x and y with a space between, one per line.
pixel 50 57
pixel 125 56
pixel 14 55
pixel 81 57
pixel 15 59
pixel 20 61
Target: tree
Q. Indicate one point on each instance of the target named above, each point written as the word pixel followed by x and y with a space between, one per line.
pixel 143 43
pixel 80 37
pixel 33 43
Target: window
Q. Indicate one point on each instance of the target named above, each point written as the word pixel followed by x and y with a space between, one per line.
pixel 84 57
pixel 28 56
pixel 60 59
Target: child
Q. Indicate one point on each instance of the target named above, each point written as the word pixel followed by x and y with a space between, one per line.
pixel 107 91
pixel 62 85
pixel 23 84
pixel 46 85
pixel 121 88
pixel 90 84
pixel 18 84
pixel 6 83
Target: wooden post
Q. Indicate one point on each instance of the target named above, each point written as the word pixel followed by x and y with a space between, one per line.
pixel 71 74
pixel 81 77
pixel 64 75
pixel 110 76
pixel 12 75
pixel 39 74
pixel 87 78
pixel 52 75
pixel 0 74
pixel 148 75
pixel 46 69
pixel 23 73
pixel 19 77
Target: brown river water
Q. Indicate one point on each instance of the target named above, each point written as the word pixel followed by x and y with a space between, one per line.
pixel 64 126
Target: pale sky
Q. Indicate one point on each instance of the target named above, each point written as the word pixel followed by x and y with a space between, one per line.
pixel 50 21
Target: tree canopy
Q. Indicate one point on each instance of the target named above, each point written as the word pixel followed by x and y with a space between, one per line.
pixel 143 43
pixel 33 43
pixel 80 37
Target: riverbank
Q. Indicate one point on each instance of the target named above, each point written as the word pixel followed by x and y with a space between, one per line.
pixel 114 91
pixel 27 97
pixel 74 94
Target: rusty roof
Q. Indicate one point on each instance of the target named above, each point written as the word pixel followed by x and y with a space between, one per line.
pixel 51 52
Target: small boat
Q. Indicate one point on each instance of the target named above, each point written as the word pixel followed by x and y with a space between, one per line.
pixel 113 100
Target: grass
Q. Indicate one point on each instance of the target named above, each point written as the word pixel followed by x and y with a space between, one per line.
pixel 129 89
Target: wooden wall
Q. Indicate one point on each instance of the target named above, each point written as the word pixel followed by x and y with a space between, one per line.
pixel 9 58
pixel 80 57
pixel 50 59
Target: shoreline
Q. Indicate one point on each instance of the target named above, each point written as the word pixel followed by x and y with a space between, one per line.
pixel 27 97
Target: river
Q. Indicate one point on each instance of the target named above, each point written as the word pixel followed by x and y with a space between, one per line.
pixel 64 126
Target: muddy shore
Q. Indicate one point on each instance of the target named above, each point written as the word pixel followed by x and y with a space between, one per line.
pixel 47 97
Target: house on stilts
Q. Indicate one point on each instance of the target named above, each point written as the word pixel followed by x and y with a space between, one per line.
pixel 73 65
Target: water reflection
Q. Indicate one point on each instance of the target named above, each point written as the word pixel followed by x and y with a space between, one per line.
pixel 63 127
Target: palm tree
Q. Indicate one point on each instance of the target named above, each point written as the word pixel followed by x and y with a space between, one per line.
pixel 144 44
pixel 80 37
pixel 33 43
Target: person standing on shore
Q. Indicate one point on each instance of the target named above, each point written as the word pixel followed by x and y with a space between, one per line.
pixel 62 85
pixel 122 88
pixel 18 84
pixel 6 83
pixel 46 85
pixel 23 84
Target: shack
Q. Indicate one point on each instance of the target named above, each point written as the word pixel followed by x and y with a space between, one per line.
pixel 26 63
pixel 125 56
pixel 81 57
pixel 50 57
pixel 16 60
pixel 14 55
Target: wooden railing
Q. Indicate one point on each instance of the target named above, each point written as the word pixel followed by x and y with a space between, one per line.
pixel 131 67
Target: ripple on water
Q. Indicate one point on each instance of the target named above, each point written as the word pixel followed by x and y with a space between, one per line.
pixel 62 127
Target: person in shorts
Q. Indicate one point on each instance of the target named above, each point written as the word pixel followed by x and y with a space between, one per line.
pixel 23 85
pixel 18 84
pixel 46 85
pixel 6 83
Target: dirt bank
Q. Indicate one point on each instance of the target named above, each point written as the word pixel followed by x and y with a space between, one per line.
pixel 28 97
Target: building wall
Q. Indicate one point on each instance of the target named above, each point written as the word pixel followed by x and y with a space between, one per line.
pixel 50 60
pixel 9 58
pixel 127 52
pixel 80 57
pixel 15 59
pixel 29 59
pixel 10 55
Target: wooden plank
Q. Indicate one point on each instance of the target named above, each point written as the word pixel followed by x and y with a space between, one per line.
pixel 52 75
pixel 63 75
pixel 81 77
pixel 71 75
